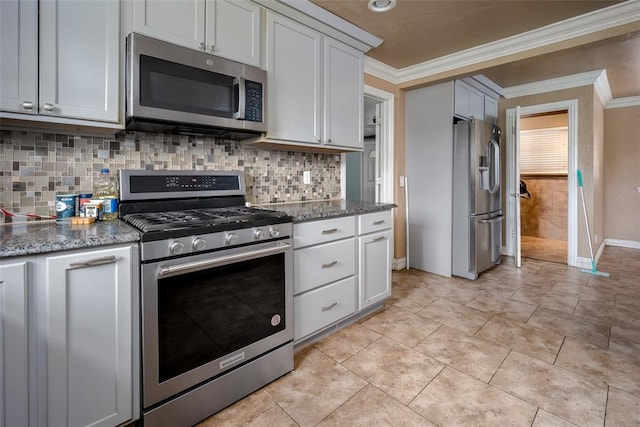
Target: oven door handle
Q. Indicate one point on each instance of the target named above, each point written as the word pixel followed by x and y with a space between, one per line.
pixel 174 270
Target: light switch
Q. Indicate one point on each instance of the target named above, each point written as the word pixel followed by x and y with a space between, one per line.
pixel 306 177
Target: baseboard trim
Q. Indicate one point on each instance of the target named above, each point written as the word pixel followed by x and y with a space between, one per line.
pixel 400 263
pixel 632 244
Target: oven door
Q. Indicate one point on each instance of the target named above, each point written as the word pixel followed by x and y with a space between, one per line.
pixel 207 314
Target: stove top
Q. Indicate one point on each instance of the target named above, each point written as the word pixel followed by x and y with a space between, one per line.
pixel 213 219
pixel 167 205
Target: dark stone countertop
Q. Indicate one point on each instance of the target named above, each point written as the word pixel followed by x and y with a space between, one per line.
pixel 36 237
pixel 323 209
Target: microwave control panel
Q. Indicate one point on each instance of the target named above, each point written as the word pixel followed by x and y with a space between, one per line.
pixel 253 104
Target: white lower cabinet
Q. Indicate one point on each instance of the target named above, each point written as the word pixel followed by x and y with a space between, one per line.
pixel 341 266
pixel 89 324
pixel 316 309
pixel 375 258
pixel 15 372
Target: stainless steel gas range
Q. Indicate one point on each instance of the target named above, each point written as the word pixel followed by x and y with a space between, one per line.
pixel 216 288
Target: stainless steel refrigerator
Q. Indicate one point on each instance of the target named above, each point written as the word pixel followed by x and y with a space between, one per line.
pixel 477 203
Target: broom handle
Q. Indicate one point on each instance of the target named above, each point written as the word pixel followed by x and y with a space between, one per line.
pixel 586 220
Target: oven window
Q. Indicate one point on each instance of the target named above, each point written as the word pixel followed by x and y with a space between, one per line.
pixel 208 314
pixel 177 87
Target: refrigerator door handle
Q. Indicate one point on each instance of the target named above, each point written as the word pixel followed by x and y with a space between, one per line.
pixel 492 220
pixel 495 166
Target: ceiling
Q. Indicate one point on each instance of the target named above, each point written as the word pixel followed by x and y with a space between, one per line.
pixel 417 31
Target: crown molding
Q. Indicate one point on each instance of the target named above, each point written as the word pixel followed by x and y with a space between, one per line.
pixel 592 22
pixel 602 88
pixel 630 101
pixel 567 82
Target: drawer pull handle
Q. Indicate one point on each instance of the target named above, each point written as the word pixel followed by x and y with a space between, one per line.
pixel 378 222
pixel 379 238
pixel 329 264
pixel 92 263
pixel 330 306
pixel 329 231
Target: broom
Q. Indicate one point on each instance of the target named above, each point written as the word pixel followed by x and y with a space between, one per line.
pixel 586 221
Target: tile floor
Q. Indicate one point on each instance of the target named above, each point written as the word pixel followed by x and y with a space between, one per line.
pixel 544 345
pixel 544 249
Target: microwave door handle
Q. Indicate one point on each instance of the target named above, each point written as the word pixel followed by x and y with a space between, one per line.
pixel 242 98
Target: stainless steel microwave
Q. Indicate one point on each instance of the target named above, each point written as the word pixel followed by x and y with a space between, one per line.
pixel 172 88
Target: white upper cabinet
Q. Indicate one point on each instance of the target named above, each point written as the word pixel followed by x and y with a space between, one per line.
pixel 293 65
pixel 73 57
pixel 233 30
pixel 315 87
pixel 469 101
pixel 226 28
pixel 79 59
pixel 19 56
pixel 179 22
pixel 343 95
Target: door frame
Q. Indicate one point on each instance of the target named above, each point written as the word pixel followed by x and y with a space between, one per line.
pixel 571 106
pixel 387 101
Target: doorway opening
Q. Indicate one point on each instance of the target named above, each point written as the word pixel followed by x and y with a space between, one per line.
pixel 368 175
pixel 513 223
pixel 544 186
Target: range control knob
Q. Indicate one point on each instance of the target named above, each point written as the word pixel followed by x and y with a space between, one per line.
pixel 259 234
pixel 176 248
pixel 231 239
pixel 274 231
pixel 199 244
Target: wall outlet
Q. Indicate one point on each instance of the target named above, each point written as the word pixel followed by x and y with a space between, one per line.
pixel 401 181
pixel 306 177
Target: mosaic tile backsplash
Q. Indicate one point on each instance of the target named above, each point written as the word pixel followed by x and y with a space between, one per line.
pixel 35 166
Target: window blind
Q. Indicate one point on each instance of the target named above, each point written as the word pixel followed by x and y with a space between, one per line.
pixel 544 151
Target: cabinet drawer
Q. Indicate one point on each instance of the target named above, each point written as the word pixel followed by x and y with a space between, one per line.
pixel 318 265
pixel 323 306
pixel 314 232
pixel 368 223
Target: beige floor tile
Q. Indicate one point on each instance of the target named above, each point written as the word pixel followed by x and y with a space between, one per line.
pixel 468 354
pixel 452 292
pixel 559 301
pixel 625 340
pixel 454 398
pixel 556 390
pixel 402 326
pixel 515 310
pixel 255 410
pixel 588 329
pixel 534 342
pixel 545 419
pixel 600 366
pixel 347 342
pixel 623 409
pixel 372 407
pixel 316 387
pixel 397 370
pixel 410 299
pixel 456 315
pixel 616 315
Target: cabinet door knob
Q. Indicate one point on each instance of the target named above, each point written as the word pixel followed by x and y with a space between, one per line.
pixel 48 107
pixel 203 46
pixel 27 105
pixel 212 48
pixel 328 140
pixel 319 139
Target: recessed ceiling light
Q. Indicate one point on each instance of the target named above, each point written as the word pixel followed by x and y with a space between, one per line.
pixel 381 5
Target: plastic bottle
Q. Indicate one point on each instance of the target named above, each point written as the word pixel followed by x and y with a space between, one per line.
pixel 105 187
